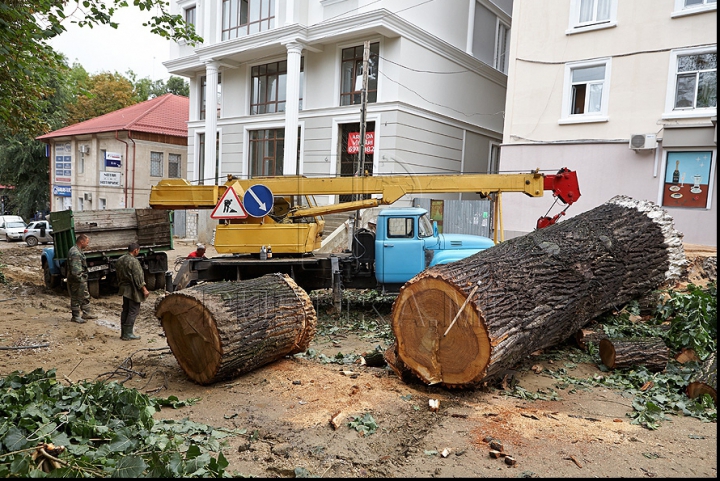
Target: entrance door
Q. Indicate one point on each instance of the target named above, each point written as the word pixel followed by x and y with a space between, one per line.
pixel 350 162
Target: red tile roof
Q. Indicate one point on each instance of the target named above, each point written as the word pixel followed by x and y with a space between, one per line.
pixel 167 114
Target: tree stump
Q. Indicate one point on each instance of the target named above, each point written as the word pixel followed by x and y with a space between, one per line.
pixel 534 291
pixel 705 382
pixel 219 330
pixel 626 353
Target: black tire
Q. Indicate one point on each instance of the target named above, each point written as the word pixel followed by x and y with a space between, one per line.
pixel 160 281
pixel 149 281
pixel 94 288
pixel 51 281
pixel 32 241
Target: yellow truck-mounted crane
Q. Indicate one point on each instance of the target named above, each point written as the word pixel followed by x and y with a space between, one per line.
pixel 281 212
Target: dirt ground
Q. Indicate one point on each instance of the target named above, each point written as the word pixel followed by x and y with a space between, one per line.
pixel 290 402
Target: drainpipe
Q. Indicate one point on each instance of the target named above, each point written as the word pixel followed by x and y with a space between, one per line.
pixel 132 195
pixel 126 163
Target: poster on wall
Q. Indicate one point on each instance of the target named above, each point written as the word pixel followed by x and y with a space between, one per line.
pixel 113 159
pixel 353 146
pixel 687 178
pixel 63 162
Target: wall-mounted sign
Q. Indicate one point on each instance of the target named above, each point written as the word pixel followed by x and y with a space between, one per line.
pixel 63 162
pixel 110 179
pixel 62 190
pixel 354 142
pixel 113 159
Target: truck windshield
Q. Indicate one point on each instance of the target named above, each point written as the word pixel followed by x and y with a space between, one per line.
pixel 425 228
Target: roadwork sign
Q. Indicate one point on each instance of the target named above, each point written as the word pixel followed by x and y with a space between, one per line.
pixel 229 207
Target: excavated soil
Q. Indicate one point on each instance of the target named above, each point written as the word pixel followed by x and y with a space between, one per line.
pixel 290 402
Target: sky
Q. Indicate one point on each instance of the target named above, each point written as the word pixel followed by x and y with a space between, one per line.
pixel 105 49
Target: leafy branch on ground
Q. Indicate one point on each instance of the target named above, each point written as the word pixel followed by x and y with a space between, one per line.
pixel 683 319
pixel 106 430
pixel 364 424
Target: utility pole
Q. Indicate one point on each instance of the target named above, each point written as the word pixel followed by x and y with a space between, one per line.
pixel 363 123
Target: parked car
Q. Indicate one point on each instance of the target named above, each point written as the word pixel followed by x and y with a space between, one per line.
pixel 4 219
pixel 14 230
pixel 36 232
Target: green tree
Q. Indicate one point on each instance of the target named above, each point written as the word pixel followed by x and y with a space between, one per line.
pixel 27 62
pixel 178 86
pixel 103 93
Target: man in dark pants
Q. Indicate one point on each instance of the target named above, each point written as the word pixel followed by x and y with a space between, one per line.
pixel 132 287
pixel 77 278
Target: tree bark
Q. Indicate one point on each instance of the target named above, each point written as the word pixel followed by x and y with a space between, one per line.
pixel 705 382
pixel 626 353
pixel 222 329
pixel 534 291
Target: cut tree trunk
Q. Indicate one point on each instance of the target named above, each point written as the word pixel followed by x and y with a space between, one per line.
pixel 592 333
pixel 222 329
pixel 534 291
pixel 626 353
pixel 705 382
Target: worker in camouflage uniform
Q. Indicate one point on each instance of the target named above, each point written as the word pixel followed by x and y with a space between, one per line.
pixel 77 279
pixel 132 287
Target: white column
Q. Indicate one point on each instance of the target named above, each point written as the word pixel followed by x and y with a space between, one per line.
pixel 211 73
pixel 292 101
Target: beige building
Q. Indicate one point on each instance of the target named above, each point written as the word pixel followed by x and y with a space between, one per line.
pixel 623 92
pixel 112 161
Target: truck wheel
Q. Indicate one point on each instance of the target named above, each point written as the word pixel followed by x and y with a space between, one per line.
pixel 160 281
pixel 51 281
pixel 149 281
pixel 94 288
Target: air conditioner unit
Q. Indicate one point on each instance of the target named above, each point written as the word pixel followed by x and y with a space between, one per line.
pixel 643 141
pixel 87 196
pixel 84 149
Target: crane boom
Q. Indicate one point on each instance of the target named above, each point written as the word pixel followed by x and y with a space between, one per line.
pixel 287 228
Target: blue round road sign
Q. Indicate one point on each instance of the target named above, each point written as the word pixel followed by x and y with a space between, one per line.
pixel 258 200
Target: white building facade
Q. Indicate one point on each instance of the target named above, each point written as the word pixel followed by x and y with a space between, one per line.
pixel 625 93
pixel 287 75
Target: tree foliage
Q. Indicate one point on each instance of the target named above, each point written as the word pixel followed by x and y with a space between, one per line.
pixel 103 93
pixel 27 61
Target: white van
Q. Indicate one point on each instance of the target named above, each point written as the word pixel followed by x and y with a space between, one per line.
pixel 4 219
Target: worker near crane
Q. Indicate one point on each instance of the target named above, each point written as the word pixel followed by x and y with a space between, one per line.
pixel 132 289
pixel 77 280
pixel 198 253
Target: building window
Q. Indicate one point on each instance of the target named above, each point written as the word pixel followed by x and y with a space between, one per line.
pixel 502 39
pixel 352 73
pixel 267 150
pixel 690 7
pixel 156 164
pixel 203 95
pixel 81 164
pixel 585 94
pixel 692 83
pixel 201 159
pixel 191 15
pixel 269 83
pixel 696 84
pixel 592 15
pixel 103 204
pixel 174 170
pixel 244 17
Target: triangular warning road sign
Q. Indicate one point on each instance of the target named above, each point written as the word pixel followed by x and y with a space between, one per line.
pixel 229 206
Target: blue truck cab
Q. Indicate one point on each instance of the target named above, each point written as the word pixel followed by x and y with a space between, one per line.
pixel 407 242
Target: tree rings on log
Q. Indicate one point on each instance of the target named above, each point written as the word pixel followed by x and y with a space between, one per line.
pixel 627 353
pixel 222 329
pixel 468 321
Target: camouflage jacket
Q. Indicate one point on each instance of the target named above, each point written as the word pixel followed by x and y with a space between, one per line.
pixel 130 277
pixel 77 265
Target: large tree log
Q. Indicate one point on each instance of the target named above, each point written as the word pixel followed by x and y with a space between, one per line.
pixel 222 329
pixel 535 291
pixel 705 381
pixel 626 353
